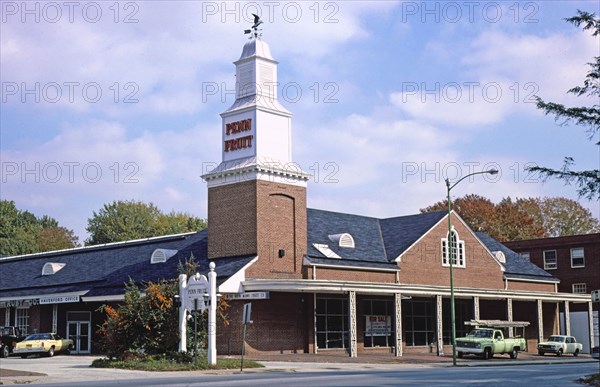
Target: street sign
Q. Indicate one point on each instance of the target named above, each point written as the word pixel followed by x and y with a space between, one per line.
pixel 197 288
pixel 247 318
pixel 249 296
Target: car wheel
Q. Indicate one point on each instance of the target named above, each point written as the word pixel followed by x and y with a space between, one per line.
pixel 541 353
pixel 4 352
pixel 514 353
pixel 51 352
pixel 23 356
pixel 487 354
pixel 560 352
pixel 576 353
pixel 460 354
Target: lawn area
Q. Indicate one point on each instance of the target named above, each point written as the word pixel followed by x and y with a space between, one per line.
pixel 172 363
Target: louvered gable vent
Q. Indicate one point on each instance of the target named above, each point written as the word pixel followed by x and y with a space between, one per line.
pixel 52 268
pixel 343 240
pixel 161 255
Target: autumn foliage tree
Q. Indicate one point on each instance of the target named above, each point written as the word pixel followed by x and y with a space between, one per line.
pixel 523 218
pixel 148 321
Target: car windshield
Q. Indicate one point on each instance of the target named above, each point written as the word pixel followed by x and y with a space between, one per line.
pixel 6 331
pixel 557 339
pixel 38 336
pixel 485 333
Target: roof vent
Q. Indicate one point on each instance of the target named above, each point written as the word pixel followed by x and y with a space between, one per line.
pixel 500 256
pixel 161 255
pixel 325 250
pixel 52 268
pixel 343 240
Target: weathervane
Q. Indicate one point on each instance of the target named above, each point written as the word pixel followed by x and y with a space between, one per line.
pixel 253 31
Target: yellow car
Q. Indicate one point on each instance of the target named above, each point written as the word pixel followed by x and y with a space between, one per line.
pixel 43 343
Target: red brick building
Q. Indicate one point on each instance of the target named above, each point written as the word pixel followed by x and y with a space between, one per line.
pixel 575 261
pixel 319 281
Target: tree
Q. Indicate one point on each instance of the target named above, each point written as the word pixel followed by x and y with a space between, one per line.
pixel 476 210
pixel 523 218
pixel 127 220
pixel 587 181
pixel 148 322
pixel 562 217
pixel 21 232
pixel 514 223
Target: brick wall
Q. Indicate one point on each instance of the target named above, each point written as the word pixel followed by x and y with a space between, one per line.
pixel 280 325
pixel 531 286
pixel 259 217
pixel 422 264
pixel 563 245
pixel 232 220
pixel 324 273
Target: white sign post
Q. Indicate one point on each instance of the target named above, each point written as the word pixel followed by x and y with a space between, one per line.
pixel 192 293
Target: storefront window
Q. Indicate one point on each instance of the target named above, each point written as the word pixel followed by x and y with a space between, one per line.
pixel 378 323
pixel 419 322
pixel 332 323
pixel 22 320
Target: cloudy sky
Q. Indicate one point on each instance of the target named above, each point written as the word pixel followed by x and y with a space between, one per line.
pixel 109 100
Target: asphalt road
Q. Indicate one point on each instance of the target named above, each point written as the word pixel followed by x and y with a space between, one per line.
pixel 75 371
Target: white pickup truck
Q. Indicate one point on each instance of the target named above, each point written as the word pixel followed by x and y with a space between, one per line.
pixel 560 345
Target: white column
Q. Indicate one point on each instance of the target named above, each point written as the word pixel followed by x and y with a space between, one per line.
pixel 182 314
pixel 212 315
pixel 398 323
pixel 55 318
pixel 315 349
pixel 540 317
pixel 567 319
pixel 440 326
pixel 352 317
pixel 591 324
pixel 476 307
pixel 509 313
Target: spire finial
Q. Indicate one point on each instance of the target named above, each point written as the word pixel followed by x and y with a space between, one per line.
pixel 253 31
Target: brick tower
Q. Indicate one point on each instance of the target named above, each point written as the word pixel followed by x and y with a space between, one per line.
pixel 257 195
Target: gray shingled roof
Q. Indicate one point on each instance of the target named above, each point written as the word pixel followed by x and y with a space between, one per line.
pixel 364 230
pixel 401 232
pixel 516 266
pixel 103 270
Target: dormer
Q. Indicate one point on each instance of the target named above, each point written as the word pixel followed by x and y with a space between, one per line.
pixel 51 268
pixel 343 240
pixel 500 256
pixel 161 255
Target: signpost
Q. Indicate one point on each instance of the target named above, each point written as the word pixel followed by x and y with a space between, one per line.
pixel 246 319
pixel 196 294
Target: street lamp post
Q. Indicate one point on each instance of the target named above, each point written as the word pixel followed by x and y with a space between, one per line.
pixel 451 258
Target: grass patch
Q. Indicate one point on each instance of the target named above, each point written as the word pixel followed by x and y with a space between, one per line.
pixel 173 362
pixel 591 380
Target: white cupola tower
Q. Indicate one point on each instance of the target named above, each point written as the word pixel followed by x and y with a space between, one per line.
pixel 256 130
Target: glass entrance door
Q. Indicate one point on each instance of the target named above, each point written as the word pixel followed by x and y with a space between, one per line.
pixel 79 332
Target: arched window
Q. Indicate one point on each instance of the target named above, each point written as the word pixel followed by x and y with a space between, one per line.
pixel 458 251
